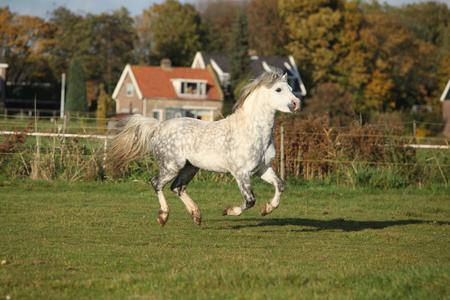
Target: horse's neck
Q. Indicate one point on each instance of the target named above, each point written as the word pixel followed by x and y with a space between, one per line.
pixel 259 117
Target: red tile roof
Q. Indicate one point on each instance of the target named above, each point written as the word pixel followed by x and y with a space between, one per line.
pixel 155 82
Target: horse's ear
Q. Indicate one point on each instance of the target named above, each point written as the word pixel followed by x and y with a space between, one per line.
pixel 274 75
pixel 284 77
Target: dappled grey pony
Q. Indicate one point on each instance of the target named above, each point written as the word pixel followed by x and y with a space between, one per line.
pixel 241 144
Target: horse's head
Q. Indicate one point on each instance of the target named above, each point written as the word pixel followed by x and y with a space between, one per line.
pixel 281 97
pixel 276 92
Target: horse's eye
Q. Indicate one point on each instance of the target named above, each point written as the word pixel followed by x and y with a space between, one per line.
pixel 278 90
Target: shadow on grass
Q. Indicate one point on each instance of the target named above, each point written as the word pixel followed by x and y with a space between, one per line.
pixel 335 224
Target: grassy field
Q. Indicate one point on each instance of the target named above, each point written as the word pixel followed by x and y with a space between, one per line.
pixel 102 241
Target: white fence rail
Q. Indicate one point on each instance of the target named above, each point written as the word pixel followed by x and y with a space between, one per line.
pixel 59 135
pixel 106 137
pixel 440 147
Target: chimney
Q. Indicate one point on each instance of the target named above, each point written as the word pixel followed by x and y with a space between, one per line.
pixel 166 64
pixel 253 54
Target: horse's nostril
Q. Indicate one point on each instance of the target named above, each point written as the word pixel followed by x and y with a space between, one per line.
pixel 297 105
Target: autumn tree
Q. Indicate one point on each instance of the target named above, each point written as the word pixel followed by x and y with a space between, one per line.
pixel 266 29
pixel 442 75
pixel 349 69
pixel 76 99
pixel 400 65
pixel 173 30
pixel 25 44
pixel 362 48
pixel 144 44
pixel 331 100
pixel 313 29
pixel 324 38
pixel 104 43
pixel 430 21
pixel 107 46
pixel 218 17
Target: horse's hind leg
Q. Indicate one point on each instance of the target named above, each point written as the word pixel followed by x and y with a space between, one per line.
pixel 158 183
pixel 268 174
pixel 179 187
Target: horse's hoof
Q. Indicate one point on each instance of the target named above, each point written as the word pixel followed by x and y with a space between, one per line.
pixel 161 222
pixel 267 209
pixel 263 211
pixel 232 211
pixel 197 220
pixel 162 217
pixel 228 211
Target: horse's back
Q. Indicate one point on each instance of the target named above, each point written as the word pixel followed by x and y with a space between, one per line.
pixel 187 139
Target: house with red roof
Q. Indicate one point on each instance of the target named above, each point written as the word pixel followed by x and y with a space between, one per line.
pixel 165 92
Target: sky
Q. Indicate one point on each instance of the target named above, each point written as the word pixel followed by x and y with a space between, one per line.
pixel 42 8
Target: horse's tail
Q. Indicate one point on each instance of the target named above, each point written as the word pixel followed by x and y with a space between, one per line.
pixel 131 140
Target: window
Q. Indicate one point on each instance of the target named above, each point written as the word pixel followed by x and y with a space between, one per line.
pixel 174 112
pixel 192 88
pixel 201 114
pixel 130 90
pixel 157 114
pixel 225 79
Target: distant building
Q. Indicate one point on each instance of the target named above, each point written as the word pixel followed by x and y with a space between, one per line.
pixel 22 95
pixel 445 99
pixel 221 65
pixel 16 96
pixel 165 92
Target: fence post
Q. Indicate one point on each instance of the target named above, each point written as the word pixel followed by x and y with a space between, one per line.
pixel 414 131
pixel 64 130
pixel 282 169
pixel 105 148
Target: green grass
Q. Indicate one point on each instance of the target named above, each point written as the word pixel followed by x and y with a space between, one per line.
pixel 102 241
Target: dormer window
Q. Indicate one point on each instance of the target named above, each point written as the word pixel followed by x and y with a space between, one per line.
pixel 193 88
pixel 129 90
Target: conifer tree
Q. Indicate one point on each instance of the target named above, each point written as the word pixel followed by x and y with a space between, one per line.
pixel 76 99
pixel 240 63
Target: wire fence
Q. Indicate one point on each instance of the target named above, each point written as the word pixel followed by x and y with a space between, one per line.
pixel 316 153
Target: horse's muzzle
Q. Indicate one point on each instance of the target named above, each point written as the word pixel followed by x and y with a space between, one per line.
pixel 297 105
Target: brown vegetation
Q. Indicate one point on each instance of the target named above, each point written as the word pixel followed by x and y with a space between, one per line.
pixel 313 150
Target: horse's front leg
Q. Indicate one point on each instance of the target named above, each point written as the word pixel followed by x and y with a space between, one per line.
pixel 268 174
pixel 245 186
